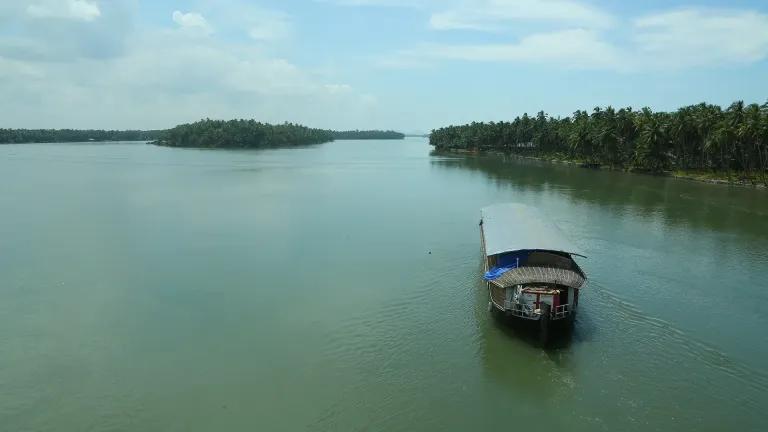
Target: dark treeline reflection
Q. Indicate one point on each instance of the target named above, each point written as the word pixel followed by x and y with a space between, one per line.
pixel 731 209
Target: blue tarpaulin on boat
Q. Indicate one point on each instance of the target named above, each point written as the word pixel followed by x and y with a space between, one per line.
pixel 506 262
pixel 496 272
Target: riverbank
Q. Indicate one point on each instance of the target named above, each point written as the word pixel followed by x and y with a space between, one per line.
pixel 739 179
pixel 735 178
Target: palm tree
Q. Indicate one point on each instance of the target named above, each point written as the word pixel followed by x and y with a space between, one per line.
pixel 579 138
pixel 717 143
pixel 684 135
pixel 751 131
pixel 737 149
pixel 701 136
pixel 652 143
pixel 706 120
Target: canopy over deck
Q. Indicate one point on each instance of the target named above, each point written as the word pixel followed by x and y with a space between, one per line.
pixel 511 226
pixel 548 275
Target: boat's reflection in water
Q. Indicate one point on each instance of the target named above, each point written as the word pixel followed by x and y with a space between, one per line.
pixel 561 337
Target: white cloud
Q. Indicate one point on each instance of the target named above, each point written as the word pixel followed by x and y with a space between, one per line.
pixel 268 26
pixel 389 3
pixel 369 99
pixel 664 41
pixel 404 59
pixel 699 37
pixel 64 30
pixel 15 69
pixel 576 48
pixel 83 10
pixel 338 88
pixel 65 67
pixel 570 48
pixel 243 18
pixel 493 15
pixel 192 21
pixel 162 77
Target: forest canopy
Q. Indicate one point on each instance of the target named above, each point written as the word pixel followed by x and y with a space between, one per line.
pixel 367 134
pixel 241 134
pixel 697 137
pixel 203 133
pixel 18 136
pixel 252 134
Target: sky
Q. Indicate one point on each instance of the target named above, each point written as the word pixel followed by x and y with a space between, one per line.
pixel 408 65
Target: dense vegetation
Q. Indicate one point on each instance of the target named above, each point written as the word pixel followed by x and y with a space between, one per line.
pixel 694 138
pixel 204 133
pixel 252 134
pixel 241 134
pixel 8 136
pixel 367 134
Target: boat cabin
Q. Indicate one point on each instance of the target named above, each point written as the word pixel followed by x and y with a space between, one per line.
pixel 529 265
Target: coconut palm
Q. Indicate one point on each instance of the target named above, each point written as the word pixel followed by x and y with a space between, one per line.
pixel 700 136
pixel 751 132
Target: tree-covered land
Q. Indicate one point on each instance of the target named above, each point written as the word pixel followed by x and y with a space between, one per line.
pixel 703 139
pixel 367 134
pixel 241 134
pixel 17 136
pixel 204 133
pixel 252 134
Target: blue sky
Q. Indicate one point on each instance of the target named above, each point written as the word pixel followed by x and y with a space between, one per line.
pixel 407 65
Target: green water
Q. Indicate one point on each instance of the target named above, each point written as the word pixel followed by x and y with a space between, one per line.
pixel 158 289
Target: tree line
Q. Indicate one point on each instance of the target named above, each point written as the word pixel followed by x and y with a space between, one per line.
pixel 367 134
pixel 701 137
pixel 18 136
pixel 204 133
pixel 252 134
pixel 241 134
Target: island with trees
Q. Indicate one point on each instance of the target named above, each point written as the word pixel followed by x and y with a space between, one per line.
pixel 252 134
pixel 21 136
pixel 241 134
pixel 703 142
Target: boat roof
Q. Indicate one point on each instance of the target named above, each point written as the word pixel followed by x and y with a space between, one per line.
pixel 526 275
pixel 511 227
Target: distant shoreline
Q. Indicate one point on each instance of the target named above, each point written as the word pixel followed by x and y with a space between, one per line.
pixel 41 136
pixel 204 134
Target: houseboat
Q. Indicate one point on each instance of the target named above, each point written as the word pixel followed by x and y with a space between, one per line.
pixel 529 266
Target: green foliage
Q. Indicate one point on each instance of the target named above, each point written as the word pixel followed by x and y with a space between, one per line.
pixel 17 136
pixel 241 134
pixel 366 134
pixel 204 133
pixel 698 137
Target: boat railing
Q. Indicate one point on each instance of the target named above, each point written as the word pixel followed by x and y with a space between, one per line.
pixel 560 311
pixel 522 311
pixel 529 312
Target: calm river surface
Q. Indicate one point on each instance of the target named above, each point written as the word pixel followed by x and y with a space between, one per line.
pixel 156 289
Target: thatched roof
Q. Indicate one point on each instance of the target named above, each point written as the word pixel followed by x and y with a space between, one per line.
pixel 549 275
